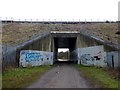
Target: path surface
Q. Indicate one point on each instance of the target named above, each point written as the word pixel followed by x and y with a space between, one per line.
pixel 61 76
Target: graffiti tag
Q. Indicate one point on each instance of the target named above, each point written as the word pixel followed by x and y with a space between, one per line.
pixel 32 56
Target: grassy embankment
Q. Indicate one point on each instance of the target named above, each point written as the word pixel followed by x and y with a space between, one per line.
pixel 98 76
pixel 0 80
pixel 22 77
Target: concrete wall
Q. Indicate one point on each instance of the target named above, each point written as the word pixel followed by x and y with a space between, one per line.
pixel 42 44
pixel 113 59
pixel 35 58
pixel 87 41
pixel 11 56
pixel 109 59
pixel 84 41
pixel 46 43
pixel 74 56
pixel 91 56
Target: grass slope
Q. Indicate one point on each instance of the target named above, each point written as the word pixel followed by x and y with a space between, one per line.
pixel 0 80
pixel 22 77
pixel 16 33
pixel 98 76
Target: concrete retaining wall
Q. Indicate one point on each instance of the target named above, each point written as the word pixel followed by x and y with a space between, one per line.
pixel 109 59
pixel 113 59
pixel 8 57
pixel 11 55
pixel 91 56
pixel 44 43
pixel 84 41
pixel 35 58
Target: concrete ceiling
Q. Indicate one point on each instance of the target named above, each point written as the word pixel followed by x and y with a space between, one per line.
pixel 62 42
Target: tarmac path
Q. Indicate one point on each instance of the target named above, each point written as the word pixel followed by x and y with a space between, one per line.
pixel 62 76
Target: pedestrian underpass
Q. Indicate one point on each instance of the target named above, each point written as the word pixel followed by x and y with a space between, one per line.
pixel 52 41
pixel 63 40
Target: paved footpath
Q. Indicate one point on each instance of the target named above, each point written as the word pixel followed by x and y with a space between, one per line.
pixel 62 76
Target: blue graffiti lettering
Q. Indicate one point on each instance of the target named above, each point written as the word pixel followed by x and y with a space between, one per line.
pixel 32 57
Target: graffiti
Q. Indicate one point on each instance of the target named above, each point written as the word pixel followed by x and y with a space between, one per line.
pixel 88 57
pixel 85 58
pixel 98 56
pixel 94 55
pixel 34 56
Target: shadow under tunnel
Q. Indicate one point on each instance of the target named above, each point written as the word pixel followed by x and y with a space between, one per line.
pixel 61 63
pixel 64 42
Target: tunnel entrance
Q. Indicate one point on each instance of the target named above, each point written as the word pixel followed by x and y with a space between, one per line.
pixel 64 42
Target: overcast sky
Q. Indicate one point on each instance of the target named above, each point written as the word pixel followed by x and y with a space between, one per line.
pixel 63 49
pixel 60 9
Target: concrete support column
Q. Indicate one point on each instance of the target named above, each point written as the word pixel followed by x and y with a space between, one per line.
pixel 49 45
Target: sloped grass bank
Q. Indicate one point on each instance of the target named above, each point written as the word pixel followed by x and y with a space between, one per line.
pixel 98 76
pixel 22 77
pixel 0 80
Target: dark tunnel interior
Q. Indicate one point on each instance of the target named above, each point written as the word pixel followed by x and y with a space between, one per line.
pixel 64 42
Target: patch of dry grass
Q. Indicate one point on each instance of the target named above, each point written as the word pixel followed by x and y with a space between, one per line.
pixel 13 32
pixel 17 31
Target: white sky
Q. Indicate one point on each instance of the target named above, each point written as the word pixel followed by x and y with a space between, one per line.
pixel 59 9
pixel 63 49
